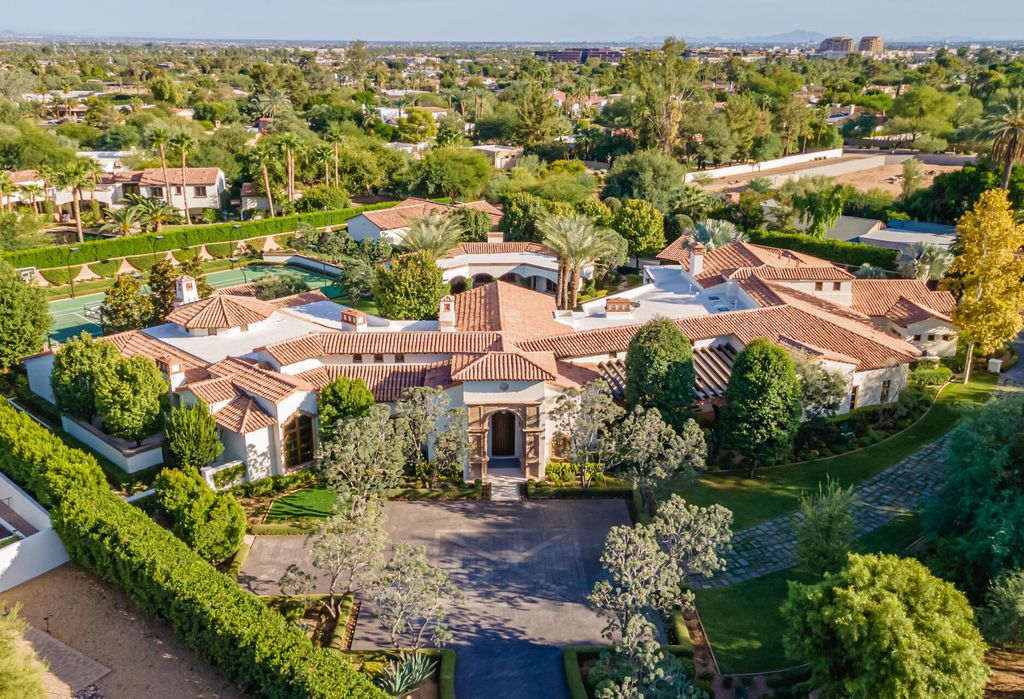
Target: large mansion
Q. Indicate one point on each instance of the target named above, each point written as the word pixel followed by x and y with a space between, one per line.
pixel 505 353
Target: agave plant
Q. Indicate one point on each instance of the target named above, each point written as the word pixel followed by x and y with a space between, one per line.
pixel 403 675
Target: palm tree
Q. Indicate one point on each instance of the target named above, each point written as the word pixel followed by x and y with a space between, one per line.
pixel 1005 127
pixel 715 233
pixel 74 175
pixel 153 213
pixel 433 234
pixel 271 104
pixel 578 243
pixel 323 155
pixel 291 144
pixel 335 136
pixel 924 261
pixel 125 220
pixel 160 137
pixel 33 192
pixel 184 144
pixel 869 271
pixel 7 190
pixel 262 157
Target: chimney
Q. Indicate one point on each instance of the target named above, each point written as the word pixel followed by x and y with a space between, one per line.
pixel 172 370
pixel 354 320
pixel 185 291
pixel 696 259
pixel 618 306
pixel 495 237
pixel 446 314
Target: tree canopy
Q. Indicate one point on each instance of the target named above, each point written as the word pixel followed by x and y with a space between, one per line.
pixel 659 371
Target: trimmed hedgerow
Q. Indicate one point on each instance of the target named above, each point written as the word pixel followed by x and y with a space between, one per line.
pixel 220 250
pixel 105 268
pixel 838 251
pixel 59 275
pixel 177 237
pixel 253 646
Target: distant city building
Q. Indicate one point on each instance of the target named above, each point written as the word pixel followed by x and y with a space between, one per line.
pixel 581 55
pixel 837 45
pixel 871 44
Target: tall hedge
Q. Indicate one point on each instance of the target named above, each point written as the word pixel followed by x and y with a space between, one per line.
pixel 838 251
pixel 253 646
pixel 178 237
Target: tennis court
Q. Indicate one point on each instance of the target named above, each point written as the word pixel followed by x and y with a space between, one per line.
pixel 72 316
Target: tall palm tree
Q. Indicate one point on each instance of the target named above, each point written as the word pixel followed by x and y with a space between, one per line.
pixel 433 234
pixel 715 233
pixel 323 155
pixel 161 137
pixel 7 190
pixel 291 144
pixel 578 243
pixel 262 157
pixel 153 213
pixel 271 104
pixel 125 220
pixel 74 175
pixel 924 261
pixel 335 136
pixel 1004 125
pixel 33 192
pixel 184 144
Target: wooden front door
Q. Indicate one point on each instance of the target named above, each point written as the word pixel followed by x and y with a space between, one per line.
pixel 503 434
pixel 298 441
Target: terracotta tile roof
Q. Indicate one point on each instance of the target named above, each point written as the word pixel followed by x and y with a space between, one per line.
pixel 132 342
pixel 507 308
pixel 871 349
pixel 242 416
pixel 741 260
pixel 254 380
pixel 879 298
pixel 386 382
pixel 221 311
pixel 829 273
pixel 411 209
pixel 23 176
pixel 249 290
pixel 760 292
pixel 212 391
pixel 713 366
pixel 155 176
pixel 497 249
pixel 370 342
pixel 503 366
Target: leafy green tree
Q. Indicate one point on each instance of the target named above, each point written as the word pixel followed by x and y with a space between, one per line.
pixel 24 318
pixel 475 224
pixel 163 280
pixel 649 175
pixel 130 396
pixel 212 524
pixel 417 125
pixel 520 215
pixel 410 289
pixel 884 626
pixel 21 672
pixel 537 118
pixel 425 411
pixel 581 420
pixel 76 370
pixel 977 519
pixel 192 437
pixel 341 399
pixel 125 307
pixel 642 226
pixel 822 390
pixel 356 278
pixel 1002 618
pixel 762 409
pixel 455 172
pixel 274 286
pixel 659 371
pixel 638 666
pixel 825 533
pixel 21 230
pixel 923 110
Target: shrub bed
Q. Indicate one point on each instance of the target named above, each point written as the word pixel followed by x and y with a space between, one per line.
pixel 577 660
pixel 838 251
pixel 252 646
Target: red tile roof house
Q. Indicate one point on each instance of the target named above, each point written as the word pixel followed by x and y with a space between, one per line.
pixel 505 354
pixel 393 222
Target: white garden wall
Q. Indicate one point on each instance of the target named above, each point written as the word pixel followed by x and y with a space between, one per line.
pixel 749 168
pixel 130 459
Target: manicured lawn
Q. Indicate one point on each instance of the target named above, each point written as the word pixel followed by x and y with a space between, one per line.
pixel 743 622
pixel 308 503
pixel 774 492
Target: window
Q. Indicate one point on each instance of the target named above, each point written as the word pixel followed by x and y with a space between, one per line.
pixel 378 358
pixel 819 286
pixel 156 192
pixel 177 191
pixel 400 359
pixel 947 337
pixel 357 358
pixel 886 389
pixel 200 191
pixel 298 440
pixel 931 338
pixel 917 338
pixel 837 286
pixel 853 397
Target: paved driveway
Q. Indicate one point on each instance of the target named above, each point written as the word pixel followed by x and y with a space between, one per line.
pixel 526 569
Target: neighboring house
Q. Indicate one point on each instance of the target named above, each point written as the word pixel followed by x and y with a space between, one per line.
pixel 531 265
pixel 23 178
pixel 110 160
pixel 416 151
pixel 851 228
pixel 506 354
pixel 392 223
pixel 501 157
pixel 901 235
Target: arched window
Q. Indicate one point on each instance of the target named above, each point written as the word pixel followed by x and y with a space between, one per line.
pixel 298 440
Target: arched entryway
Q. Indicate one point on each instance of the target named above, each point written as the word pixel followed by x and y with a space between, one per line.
pixel 504 436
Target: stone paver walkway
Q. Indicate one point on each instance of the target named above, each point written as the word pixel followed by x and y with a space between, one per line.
pixel 505 483
pixel 76 670
pixel 768 547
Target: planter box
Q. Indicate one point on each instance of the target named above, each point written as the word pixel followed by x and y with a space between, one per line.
pixel 122 454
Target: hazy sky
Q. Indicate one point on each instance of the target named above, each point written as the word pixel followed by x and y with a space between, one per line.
pixel 511 20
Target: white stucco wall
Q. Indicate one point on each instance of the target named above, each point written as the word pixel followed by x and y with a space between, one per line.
pixel 932 327
pixel 142 458
pixel 39 369
pixel 360 228
pixel 35 554
pixel 869 385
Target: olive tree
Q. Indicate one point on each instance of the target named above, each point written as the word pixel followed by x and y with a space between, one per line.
pixel 580 419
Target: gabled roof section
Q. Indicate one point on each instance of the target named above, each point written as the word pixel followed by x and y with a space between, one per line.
pixel 497 249
pixel 242 416
pixel 133 342
pixel 250 378
pixel 503 366
pixel 509 309
pixel 741 260
pixel 371 342
pixel 386 382
pixel 220 311
pixel 901 300
pixel 413 208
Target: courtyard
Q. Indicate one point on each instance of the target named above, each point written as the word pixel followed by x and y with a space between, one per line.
pixel 525 569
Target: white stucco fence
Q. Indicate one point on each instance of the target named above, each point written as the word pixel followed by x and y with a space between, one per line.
pixel 35 554
pixel 131 459
pixel 749 168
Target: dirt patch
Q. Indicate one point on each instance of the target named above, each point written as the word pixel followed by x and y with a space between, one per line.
pixel 1007 681
pixel 144 657
pixel 890 177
